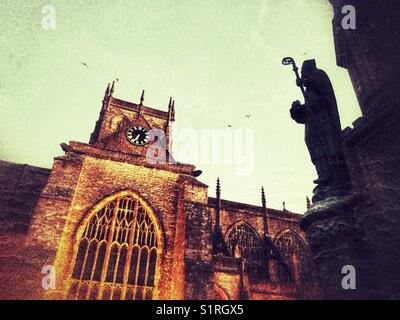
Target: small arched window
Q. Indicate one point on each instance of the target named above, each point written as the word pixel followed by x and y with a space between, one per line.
pixel 293 261
pixel 118 252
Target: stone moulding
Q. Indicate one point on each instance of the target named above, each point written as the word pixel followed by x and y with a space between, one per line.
pixel 329 208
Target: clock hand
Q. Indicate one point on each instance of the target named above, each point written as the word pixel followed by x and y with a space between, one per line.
pixel 136 138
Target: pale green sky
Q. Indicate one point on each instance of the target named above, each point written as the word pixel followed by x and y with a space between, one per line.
pixel 219 59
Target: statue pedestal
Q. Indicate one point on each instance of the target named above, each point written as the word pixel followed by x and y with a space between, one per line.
pixel 335 242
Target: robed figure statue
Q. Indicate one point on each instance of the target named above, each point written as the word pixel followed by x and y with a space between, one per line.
pixel 320 116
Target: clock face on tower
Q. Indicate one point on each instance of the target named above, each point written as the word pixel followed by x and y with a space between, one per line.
pixel 138 136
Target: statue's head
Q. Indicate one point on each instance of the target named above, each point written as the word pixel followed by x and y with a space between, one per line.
pixel 308 68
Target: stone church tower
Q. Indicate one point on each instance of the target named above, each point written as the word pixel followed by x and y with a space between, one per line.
pixel 119 218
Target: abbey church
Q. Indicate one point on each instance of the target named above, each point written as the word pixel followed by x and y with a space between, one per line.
pixel 119 218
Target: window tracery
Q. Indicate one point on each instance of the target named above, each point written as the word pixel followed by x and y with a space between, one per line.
pixel 293 261
pixel 118 253
pixel 243 241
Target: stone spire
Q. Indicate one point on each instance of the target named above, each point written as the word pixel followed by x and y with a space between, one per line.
pixel 140 104
pixel 107 93
pixel 266 239
pixel 218 204
pixel 105 104
pixel 142 98
pixel 112 88
pixel 167 130
pixel 218 242
pixel 173 110
pixel 308 203
pixel 169 112
pixel 264 212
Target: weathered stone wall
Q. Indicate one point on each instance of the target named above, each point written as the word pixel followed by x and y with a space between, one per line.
pixel 227 282
pixel 283 291
pixel 47 226
pixel 198 252
pixel 20 188
pixel 372 57
pixel 371 51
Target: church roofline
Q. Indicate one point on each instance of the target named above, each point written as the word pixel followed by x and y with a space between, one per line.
pixel 238 206
pixel 135 107
pixel 103 153
pixel 37 169
pixel 194 181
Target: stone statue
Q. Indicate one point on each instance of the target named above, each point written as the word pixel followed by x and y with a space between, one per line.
pixel 320 116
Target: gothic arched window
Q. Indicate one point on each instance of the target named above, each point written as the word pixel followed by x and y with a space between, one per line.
pixel 243 241
pixel 293 261
pixel 118 252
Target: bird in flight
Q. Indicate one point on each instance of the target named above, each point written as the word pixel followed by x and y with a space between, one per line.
pixel 85 64
pixel 248 115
